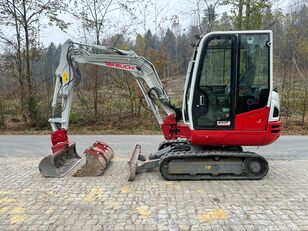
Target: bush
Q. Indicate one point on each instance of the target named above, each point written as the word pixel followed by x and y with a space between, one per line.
pixel 33 110
pixel 75 117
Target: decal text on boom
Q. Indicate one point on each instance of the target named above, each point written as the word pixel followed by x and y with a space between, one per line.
pixel 120 66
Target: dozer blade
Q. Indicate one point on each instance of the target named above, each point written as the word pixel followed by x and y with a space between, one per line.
pixel 60 163
pixel 98 158
pixel 133 162
pixel 138 163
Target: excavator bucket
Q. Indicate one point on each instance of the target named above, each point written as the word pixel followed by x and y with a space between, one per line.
pixel 98 158
pixel 60 163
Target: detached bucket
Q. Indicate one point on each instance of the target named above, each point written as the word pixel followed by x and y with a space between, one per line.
pixel 60 163
pixel 98 158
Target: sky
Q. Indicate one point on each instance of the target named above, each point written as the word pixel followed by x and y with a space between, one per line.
pixel 182 8
pixel 55 35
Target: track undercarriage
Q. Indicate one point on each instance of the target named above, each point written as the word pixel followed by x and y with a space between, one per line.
pixel 179 160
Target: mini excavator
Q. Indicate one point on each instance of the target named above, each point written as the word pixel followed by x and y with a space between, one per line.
pixel 228 102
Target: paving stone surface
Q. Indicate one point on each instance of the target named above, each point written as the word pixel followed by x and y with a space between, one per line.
pixel 29 201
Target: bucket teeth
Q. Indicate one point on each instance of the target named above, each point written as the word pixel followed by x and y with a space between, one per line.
pixel 98 157
pixel 60 163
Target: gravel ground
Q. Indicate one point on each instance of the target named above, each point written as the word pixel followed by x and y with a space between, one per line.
pixel 29 201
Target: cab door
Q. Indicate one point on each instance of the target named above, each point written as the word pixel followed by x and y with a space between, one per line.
pixel 214 91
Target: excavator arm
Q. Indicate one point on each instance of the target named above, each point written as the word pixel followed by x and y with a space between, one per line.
pixel 68 76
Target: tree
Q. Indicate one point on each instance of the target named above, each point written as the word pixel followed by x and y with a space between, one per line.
pixel 205 14
pixel 248 14
pixel 141 13
pixel 169 44
pixel 183 53
pixel 23 16
pixel 225 23
pixel 96 19
pixel 210 16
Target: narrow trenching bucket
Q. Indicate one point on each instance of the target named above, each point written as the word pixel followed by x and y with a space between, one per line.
pixel 60 163
pixel 98 157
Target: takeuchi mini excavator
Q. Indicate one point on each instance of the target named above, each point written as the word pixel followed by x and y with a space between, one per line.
pixel 228 102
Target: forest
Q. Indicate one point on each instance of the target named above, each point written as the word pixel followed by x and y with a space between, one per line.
pixel 109 101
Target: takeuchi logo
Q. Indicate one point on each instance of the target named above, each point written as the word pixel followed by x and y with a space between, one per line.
pixel 120 66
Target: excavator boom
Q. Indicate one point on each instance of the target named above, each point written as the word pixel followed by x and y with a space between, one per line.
pixel 65 157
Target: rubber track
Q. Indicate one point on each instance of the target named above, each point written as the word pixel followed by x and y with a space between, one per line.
pixel 182 155
pixel 175 142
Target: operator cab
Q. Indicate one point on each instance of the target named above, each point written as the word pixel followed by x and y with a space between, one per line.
pixel 230 75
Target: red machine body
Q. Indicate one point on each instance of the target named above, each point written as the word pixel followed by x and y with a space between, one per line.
pixel 251 129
